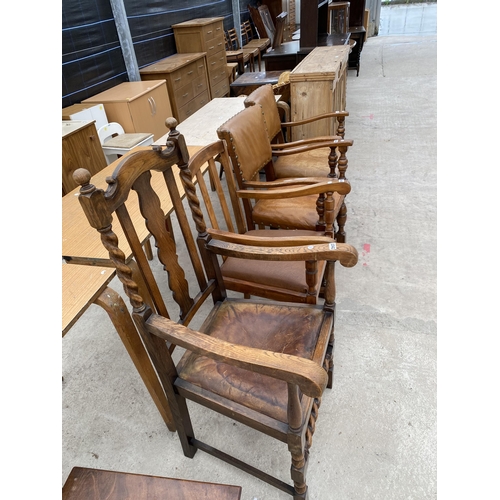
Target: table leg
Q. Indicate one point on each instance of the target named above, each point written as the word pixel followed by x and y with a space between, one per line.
pixel 114 305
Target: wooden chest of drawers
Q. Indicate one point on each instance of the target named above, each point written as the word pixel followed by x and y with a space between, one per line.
pixel 187 82
pixel 206 35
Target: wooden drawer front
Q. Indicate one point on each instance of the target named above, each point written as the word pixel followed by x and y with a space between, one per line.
pixel 183 76
pixel 213 31
pixel 217 75
pixel 194 105
pixel 183 95
pixel 220 89
pixel 214 46
pixel 216 62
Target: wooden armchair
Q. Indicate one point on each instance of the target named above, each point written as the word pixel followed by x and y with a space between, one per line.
pixel 310 203
pixel 327 161
pixel 286 281
pixel 264 364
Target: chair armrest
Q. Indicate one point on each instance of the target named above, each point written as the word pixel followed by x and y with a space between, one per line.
pixel 340 186
pixel 264 241
pixel 323 116
pixel 301 146
pixel 344 253
pixel 284 183
pixel 308 375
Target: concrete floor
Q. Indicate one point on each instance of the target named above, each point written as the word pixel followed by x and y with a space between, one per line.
pixel 376 432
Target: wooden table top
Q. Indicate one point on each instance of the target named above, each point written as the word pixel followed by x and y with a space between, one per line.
pixel 81 285
pixel 94 484
pixel 200 128
pixel 81 243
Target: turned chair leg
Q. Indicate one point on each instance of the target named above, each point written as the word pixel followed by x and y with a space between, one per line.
pixel 341 220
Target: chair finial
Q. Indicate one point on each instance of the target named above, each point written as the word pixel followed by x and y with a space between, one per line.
pixel 81 176
pixel 171 123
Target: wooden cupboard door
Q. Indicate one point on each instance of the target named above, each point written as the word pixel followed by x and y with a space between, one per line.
pixel 81 149
pixel 150 111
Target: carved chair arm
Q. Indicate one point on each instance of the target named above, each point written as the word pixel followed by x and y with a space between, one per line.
pixel 290 148
pixel 310 377
pixel 264 241
pixel 332 114
pixel 344 253
pixel 340 186
pixel 285 182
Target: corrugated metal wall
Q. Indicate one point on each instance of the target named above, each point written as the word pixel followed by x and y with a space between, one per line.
pixel 92 60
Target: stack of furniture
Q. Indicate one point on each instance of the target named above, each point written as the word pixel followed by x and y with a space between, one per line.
pixel 206 35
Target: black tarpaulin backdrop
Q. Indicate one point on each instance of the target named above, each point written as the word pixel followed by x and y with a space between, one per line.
pixel 92 59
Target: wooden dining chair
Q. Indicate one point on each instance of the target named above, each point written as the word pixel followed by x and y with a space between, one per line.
pixel 309 163
pixel 286 281
pixel 249 41
pixel 253 52
pixel 262 363
pixel 236 56
pixel 315 203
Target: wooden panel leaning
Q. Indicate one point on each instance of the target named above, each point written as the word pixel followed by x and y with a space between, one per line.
pixel 262 363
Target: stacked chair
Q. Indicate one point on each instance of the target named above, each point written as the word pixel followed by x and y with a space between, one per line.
pixel 250 41
pixel 264 362
pixel 234 44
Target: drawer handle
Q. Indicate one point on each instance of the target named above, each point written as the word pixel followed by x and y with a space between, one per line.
pixel 152 105
pixel 218 29
pixel 201 66
pixel 178 79
pixel 209 32
pixel 212 47
pixel 186 94
pixel 190 73
pixel 200 85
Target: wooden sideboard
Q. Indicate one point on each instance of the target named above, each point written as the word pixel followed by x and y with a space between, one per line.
pixel 187 82
pixel 81 148
pixel 318 85
pixel 206 35
pixel 137 106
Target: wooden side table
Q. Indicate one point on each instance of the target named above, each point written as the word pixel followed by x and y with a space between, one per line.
pixel 95 484
pixel 248 82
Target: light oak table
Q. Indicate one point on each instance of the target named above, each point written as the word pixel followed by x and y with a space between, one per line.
pixel 87 272
pixel 200 129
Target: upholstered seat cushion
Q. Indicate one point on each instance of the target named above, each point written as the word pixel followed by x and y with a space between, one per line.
pixel 287 275
pixel 291 213
pixel 312 163
pixel 274 327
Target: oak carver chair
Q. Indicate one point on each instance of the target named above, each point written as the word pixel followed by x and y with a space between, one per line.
pixel 309 163
pixel 287 281
pixel 262 363
pixel 311 205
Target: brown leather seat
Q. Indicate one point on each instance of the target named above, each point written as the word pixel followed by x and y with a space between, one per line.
pixel 312 163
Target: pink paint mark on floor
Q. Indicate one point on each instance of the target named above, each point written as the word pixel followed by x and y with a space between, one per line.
pixel 366 247
pixel 371 116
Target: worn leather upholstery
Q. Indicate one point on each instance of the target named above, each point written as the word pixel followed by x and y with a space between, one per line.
pixel 271 329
